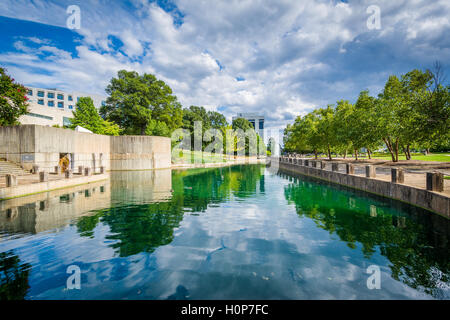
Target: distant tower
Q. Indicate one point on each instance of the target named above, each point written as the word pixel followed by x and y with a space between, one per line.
pixel 256 120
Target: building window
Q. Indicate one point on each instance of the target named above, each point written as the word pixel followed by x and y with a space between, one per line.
pixel 103 103
pixel 78 99
pixel 70 98
pixel 67 121
pixel 70 106
pixel 39 116
pixel 41 102
pixel 261 124
pixel 50 95
pixel 252 123
pixel 30 92
pixel 60 104
pixel 60 97
pixel 41 94
pixel 51 103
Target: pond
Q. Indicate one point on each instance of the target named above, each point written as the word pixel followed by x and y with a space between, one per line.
pixel 240 232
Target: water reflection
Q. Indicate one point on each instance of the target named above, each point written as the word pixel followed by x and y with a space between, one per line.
pixel 52 210
pixel 13 277
pixel 233 233
pixel 415 241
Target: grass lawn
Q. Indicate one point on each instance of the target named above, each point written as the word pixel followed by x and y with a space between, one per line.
pixel 188 156
pixel 441 157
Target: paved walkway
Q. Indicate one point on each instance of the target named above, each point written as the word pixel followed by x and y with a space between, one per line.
pixel 34 178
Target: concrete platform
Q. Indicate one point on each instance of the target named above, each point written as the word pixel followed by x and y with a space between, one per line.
pixel 29 185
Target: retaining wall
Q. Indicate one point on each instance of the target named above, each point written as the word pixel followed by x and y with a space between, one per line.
pixel 140 152
pixel 29 145
pixel 429 200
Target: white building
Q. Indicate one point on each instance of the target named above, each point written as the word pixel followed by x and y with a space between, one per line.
pixel 256 120
pixel 49 107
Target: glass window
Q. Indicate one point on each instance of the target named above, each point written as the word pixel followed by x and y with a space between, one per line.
pixel 50 95
pixel 103 103
pixel 60 97
pixel 78 99
pixel 41 102
pixel 261 124
pixel 70 107
pixel 60 104
pixel 30 92
pixel 39 116
pixel 70 98
pixel 66 121
pixel 40 93
pixel 51 103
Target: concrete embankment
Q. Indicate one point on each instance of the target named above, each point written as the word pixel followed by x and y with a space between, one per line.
pixel 421 197
pixel 39 187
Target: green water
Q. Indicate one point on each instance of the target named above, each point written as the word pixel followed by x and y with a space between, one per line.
pixel 230 233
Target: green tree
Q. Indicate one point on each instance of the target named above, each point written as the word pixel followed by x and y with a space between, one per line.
pixel 245 125
pixel 86 116
pixel 135 100
pixel 326 129
pixel 13 100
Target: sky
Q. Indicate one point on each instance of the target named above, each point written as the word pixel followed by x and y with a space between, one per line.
pixel 278 58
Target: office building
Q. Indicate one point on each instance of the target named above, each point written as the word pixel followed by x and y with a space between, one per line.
pixel 256 120
pixel 49 107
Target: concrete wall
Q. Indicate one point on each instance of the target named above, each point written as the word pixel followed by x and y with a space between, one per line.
pixel 140 153
pixel 30 145
pixel 17 141
pixel 430 200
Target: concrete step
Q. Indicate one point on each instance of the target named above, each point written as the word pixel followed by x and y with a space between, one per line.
pixel 8 167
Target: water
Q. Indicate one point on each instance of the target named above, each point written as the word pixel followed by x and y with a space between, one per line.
pixel 229 233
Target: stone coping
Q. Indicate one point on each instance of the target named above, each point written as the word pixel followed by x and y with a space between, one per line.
pixel 39 187
pixel 436 202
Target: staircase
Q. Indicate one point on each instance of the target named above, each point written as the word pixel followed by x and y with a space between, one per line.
pixel 7 167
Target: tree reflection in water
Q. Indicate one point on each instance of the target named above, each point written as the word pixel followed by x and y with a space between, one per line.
pixel 415 244
pixel 144 227
pixel 13 277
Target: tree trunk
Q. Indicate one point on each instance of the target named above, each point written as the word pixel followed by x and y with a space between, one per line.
pixel 143 129
pixel 315 154
pixel 408 151
pixel 389 146
pixel 345 154
pixel 356 154
pixel 396 150
pixel 369 153
pixel 329 153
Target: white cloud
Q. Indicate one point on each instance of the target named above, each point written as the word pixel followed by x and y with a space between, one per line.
pixel 293 55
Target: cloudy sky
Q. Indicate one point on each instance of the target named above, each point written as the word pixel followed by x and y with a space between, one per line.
pixel 281 58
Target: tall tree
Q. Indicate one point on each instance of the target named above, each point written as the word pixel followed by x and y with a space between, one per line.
pixel 13 100
pixel 326 128
pixel 135 100
pixel 86 116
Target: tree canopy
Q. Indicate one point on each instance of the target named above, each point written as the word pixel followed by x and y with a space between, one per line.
pixel 13 100
pixel 411 111
pixel 86 116
pixel 142 104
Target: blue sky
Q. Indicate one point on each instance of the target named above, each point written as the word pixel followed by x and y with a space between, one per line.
pixel 277 57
